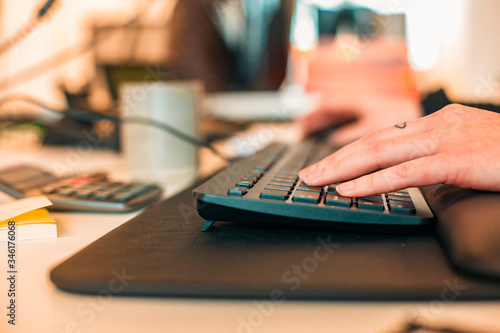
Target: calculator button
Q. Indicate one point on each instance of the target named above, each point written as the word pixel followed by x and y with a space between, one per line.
pixel 49 190
pixel 138 189
pixel 123 197
pixel 104 194
pixel 83 194
pixel 66 192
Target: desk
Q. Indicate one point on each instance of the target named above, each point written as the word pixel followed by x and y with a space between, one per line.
pixel 43 308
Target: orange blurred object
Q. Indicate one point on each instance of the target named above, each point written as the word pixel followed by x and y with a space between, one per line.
pixel 348 64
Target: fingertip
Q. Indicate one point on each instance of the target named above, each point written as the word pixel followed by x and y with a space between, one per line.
pixel 313 177
pixel 346 189
pixel 307 170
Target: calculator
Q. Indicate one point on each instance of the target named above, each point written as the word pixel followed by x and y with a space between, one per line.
pixel 92 192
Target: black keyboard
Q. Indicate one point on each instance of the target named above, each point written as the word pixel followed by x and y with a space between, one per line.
pixel 265 188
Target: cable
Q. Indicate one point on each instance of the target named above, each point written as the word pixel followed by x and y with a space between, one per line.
pixel 33 71
pixel 89 116
pixel 27 28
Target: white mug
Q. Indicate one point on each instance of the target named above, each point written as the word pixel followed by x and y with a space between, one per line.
pixel 154 154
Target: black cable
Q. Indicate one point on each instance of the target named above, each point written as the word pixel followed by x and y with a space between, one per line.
pixel 68 54
pixel 89 116
pixel 27 28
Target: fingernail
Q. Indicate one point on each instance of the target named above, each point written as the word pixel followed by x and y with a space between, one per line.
pixel 345 188
pixel 312 176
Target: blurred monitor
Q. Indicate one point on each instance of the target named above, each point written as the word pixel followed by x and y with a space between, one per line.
pixel 231 45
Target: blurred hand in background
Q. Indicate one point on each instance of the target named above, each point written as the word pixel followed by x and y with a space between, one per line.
pixel 365 86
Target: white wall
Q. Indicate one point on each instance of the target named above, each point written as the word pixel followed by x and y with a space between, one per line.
pixel 464 34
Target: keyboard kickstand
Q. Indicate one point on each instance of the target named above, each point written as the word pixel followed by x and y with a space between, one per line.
pixel 207 226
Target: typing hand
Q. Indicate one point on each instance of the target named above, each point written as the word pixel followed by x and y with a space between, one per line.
pixel 457 145
pixel 369 110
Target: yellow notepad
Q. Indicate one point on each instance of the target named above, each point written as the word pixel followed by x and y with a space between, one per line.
pixel 27 219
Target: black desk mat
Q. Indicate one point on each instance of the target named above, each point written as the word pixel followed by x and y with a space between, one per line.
pixel 162 252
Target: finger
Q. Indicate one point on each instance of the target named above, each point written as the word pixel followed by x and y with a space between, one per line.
pixel 349 133
pixel 377 155
pixel 406 128
pixel 419 172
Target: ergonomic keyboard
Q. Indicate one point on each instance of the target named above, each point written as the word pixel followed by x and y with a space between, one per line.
pixel 265 188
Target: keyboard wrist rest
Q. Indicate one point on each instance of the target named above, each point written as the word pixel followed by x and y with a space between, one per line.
pixel 468 227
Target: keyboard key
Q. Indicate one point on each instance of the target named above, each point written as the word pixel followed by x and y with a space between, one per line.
pixel 250 178
pixel 398 198
pixel 289 172
pixel 278 188
pixel 399 194
pixel 275 195
pixel 332 189
pixel 237 191
pixel 309 188
pixel 284 179
pixel 402 207
pixel 244 183
pixel 286 175
pixel 374 197
pixel 306 197
pixel 370 204
pixel 337 200
pixel 255 173
pixel 287 185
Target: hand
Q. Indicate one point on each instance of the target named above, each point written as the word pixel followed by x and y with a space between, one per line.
pixel 374 88
pixel 457 145
pixel 369 111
